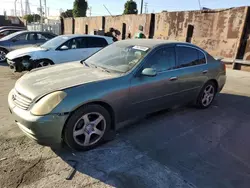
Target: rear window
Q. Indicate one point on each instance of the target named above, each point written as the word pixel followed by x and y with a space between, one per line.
pixel 96 42
pixel 189 57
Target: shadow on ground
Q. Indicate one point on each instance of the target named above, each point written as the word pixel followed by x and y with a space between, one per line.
pixel 185 147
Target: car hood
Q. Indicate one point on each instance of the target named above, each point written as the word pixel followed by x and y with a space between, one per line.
pixel 22 52
pixel 58 77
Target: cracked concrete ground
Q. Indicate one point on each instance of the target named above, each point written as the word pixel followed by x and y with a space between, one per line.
pixel 185 147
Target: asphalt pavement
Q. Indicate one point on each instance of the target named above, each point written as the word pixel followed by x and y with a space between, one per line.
pixel 184 147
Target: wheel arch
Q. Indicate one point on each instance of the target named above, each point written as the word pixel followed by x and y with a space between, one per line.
pixel 47 59
pixel 105 105
pixel 215 83
pixel 4 48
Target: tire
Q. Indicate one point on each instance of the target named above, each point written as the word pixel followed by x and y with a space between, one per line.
pixel 43 63
pixel 77 131
pixel 3 52
pixel 207 95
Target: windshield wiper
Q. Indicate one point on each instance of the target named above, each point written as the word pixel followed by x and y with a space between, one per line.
pixel 102 68
pixel 83 62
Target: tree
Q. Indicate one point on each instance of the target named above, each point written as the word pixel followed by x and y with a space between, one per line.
pixel 130 7
pixel 32 18
pixel 67 14
pixel 80 8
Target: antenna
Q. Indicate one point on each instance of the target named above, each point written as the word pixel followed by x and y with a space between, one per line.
pixel 107 10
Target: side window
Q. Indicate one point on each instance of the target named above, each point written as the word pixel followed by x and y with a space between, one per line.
pixel 33 36
pixel 96 42
pixel 79 43
pixel 21 37
pixel 189 57
pixel 162 60
pixel 202 58
pixel 45 36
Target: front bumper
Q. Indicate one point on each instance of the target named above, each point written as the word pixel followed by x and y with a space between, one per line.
pixel 46 130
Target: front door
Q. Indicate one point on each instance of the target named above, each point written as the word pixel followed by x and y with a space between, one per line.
pixel 149 94
pixel 21 41
pixel 77 50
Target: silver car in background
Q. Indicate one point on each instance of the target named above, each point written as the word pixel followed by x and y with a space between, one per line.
pixel 22 39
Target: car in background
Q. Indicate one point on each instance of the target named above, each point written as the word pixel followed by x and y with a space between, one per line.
pixel 12 27
pixel 61 49
pixel 22 39
pixel 84 103
pixel 5 32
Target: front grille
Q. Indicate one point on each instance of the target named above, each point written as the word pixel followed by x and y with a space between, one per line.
pixel 21 101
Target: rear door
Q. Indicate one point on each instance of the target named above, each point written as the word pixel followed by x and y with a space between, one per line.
pixel 192 71
pixel 95 44
pixel 43 37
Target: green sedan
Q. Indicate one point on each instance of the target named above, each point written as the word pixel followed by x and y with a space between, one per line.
pixel 82 103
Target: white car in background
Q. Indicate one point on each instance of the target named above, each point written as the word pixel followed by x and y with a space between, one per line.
pixel 61 49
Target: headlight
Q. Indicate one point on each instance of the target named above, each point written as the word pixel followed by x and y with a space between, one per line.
pixel 46 104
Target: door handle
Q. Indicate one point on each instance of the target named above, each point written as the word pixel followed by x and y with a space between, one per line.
pixel 204 72
pixel 173 78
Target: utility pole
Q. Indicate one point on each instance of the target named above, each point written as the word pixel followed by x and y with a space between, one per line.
pixel 41 12
pixel 141 6
pixel 15 7
pixel 45 8
pixel 90 9
pixel 199 4
pixel 146 8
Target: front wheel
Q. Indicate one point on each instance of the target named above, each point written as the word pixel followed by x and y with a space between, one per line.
pixel 207 95
pixel 87 127
pixel 3 53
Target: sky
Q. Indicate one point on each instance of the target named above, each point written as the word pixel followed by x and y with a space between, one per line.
pixel 116 7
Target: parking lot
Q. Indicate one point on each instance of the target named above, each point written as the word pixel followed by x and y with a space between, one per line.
pixel 184 147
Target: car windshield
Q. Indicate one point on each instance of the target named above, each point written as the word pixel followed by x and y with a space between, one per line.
pixel 55 42
pixel 118 57
pixel 8 37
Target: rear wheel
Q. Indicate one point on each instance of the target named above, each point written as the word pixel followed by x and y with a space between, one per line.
pixel 3 53
pixel 87 127
pixel 206 95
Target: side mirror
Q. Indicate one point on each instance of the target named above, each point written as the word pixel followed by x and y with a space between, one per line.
pixel 149 72
pixel 64 48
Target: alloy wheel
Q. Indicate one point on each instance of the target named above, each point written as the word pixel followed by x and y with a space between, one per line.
pixel 89 129
pixel 2 55
pixel 43 64
pixel 208 95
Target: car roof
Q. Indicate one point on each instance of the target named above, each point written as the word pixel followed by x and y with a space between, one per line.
pixel 12 29
pixel 83 35
pixel 151 43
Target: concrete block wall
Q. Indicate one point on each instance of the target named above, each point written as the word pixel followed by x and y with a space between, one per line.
pixel 68 26
pixel 87 25
pixel 217 31
pixel 128 24
pixel 220 32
